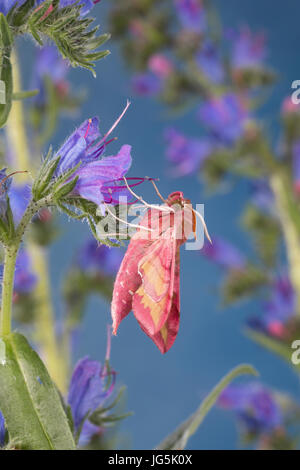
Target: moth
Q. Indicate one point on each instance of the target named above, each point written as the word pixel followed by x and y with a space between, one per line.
pixel 148 281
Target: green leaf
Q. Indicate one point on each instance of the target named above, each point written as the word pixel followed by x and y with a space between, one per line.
pixel 70 31
pixel 273 345
pixel 179 438
pixel 6 80
pixel 29 401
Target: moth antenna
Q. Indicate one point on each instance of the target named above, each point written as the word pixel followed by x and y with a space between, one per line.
pixel 203 223
pixel 157 191
pixel 125 221
pixel 150 206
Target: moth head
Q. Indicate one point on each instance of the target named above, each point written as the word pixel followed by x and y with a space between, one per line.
pixel 176 198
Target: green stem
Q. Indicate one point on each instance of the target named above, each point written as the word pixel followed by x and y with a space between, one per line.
pixel 7 288
pixel 11 252
pixel 45 321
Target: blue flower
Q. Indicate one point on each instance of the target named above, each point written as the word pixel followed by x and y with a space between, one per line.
pixel 147 84
pixel 277 310
pixel 254 405
pixel 2 430
pixel 19 197
pixel 5 183
pixel 97 177
pixel 87 392
pixel 49 63
pixel 6 5
pixel 224 253
pixel 225 117
pixel 209 62
pixel 186 154
pixel 99 259
pixel 249 49
pixel 25 279
pixel 191 15
pixel 263 197
pixel 87 5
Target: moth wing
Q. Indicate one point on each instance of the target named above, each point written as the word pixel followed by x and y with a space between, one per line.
pixel 127 282
pixel 153 299
pixel 165 338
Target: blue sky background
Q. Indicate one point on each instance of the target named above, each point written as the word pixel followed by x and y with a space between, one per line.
pixel 164 390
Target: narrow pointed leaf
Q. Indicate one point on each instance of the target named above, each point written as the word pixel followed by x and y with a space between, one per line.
pixel 179 438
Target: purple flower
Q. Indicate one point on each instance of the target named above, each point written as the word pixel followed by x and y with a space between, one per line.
pixel 254 405
pixel 147 84
pixel 160 65
pixel 191 15
pixel 94 258
pixel 49 63
pixel 6 5
pixel 277 310
pixel 262 196
pixel 225 116
pixel 296 165
pixel 86 393
pixel 5 183
pixel 209 62
pixel 2 430
pixel 225 254
pixel 19 197
pixel 25 279
pixel 96 177
pixel 187 155
pixel 249 49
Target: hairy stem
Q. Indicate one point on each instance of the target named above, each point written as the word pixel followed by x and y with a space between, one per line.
pixel 45 319
pixel 7 288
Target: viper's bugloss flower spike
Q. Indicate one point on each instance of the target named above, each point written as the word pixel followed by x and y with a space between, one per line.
pixel 99 259
pixel 255 406
pixel 186 155
pixel 224 253
pixel 2 430
pixel 191 15
pixel 87 392
pixel 225 117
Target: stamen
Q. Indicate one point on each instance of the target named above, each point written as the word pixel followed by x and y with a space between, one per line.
pixel 139 198
pixel 88 128
pixel 125 221
pixel 2 182
pixel 115 123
